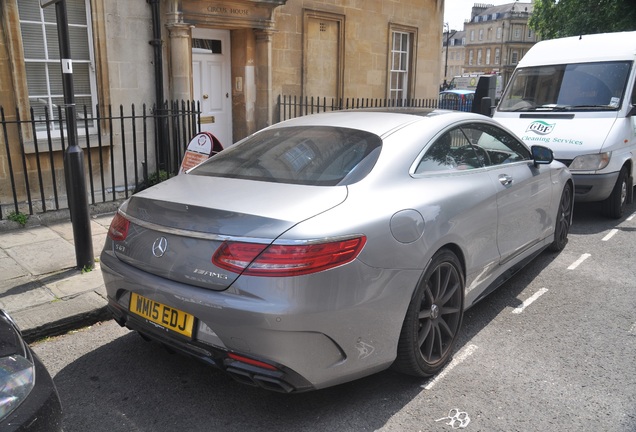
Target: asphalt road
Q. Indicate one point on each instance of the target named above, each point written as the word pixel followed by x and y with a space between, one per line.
pixel 554 349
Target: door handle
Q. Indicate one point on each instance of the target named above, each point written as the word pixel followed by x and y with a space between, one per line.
pixel 505 179
pixel 205 96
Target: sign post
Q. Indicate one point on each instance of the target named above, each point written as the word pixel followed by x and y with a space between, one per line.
pixel 73 156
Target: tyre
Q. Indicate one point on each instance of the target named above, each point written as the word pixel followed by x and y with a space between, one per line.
pixel 614 205
pixel 563 220
pixel 433 318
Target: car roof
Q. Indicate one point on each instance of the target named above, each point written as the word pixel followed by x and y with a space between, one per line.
pixel 379 121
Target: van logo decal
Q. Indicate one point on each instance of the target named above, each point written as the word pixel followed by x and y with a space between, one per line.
pixel 540 127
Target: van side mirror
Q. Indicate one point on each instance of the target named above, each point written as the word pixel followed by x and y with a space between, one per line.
pixel 485 93
pixel 632 111
pixel 542 155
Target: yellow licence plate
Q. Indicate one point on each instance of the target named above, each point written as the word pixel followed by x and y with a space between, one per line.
pixel 166 316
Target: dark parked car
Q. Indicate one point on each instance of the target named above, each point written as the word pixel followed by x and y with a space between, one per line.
pixel 28 397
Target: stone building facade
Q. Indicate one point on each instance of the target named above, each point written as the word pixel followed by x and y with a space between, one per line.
pixel 453 54
pixel 492 41
pixel 249 51
pixel 235 57
pixel 497 37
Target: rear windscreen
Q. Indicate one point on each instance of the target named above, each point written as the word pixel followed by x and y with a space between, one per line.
pixel 307 155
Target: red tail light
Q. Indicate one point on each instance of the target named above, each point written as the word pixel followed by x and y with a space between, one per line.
pixel 286 260
pixel 118 230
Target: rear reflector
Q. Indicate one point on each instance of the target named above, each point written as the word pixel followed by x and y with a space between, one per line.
pixel 250 361
pixel 118 230
pixel 286 260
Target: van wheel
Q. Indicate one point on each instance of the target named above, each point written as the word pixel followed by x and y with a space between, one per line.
pixel 433 318
pixel 614 205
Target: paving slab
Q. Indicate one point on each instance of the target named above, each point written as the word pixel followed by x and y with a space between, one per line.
pixel 25 236
pixel 61 316
pixel 76 283
pixel 10 268
pixel 44 256
pixel 40 285
pixel 26 300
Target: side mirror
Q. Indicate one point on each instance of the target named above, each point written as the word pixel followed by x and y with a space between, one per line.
pixel 632 111
pixel 542 155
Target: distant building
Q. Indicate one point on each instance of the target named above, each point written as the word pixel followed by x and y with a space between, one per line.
pixel 453 54
pixel 494 40
pixel 497 37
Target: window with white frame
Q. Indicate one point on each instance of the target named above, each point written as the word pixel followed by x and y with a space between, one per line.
pixel 479 57
pixel 481 34
pixel 488 56
pixel 472 35
pixel 401 49
pixel 517 33
pixel 499 31
pixel 38 27
pixel 470 57
pixel 514 57
pixel 497 55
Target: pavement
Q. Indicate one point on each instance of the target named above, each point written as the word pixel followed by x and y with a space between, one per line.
pixel 40 284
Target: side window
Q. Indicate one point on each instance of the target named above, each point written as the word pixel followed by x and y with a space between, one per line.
pixel 451 151
pixel 38 29
pixel 496 145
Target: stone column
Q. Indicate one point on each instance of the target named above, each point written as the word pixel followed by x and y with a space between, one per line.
pixel 263 69
pixel 180 67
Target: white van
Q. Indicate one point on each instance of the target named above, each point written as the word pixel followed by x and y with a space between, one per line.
pixel 577 95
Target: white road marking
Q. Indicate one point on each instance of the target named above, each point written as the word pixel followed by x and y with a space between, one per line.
pixel 631 216
pixel 529 301
pixel 610 235
pixel 578 262
pixel 459 358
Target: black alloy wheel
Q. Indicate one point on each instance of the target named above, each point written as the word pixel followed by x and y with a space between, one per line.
pixel 433 318
pixel 563 221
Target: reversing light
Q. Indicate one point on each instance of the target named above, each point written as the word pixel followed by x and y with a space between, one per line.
pixel 286 260
pixel 118 230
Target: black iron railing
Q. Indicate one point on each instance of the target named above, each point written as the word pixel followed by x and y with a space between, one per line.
pixel 121 150
pixel 295 106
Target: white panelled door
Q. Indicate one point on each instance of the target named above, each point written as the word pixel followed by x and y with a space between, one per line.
pixel 211 69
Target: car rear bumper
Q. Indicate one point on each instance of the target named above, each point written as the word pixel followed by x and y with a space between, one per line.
pixel 309 345
pixel 282 379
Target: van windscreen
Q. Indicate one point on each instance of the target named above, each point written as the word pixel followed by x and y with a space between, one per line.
pixel 571 87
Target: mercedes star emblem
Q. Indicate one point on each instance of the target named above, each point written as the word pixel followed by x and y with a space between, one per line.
pixel 159 247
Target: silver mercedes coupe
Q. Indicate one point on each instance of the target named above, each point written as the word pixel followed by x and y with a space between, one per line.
pixel 332 246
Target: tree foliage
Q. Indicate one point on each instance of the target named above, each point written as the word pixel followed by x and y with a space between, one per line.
pixel 559 18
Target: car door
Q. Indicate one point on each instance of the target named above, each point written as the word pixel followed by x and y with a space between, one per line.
pixel 523 190
pixel 456 172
